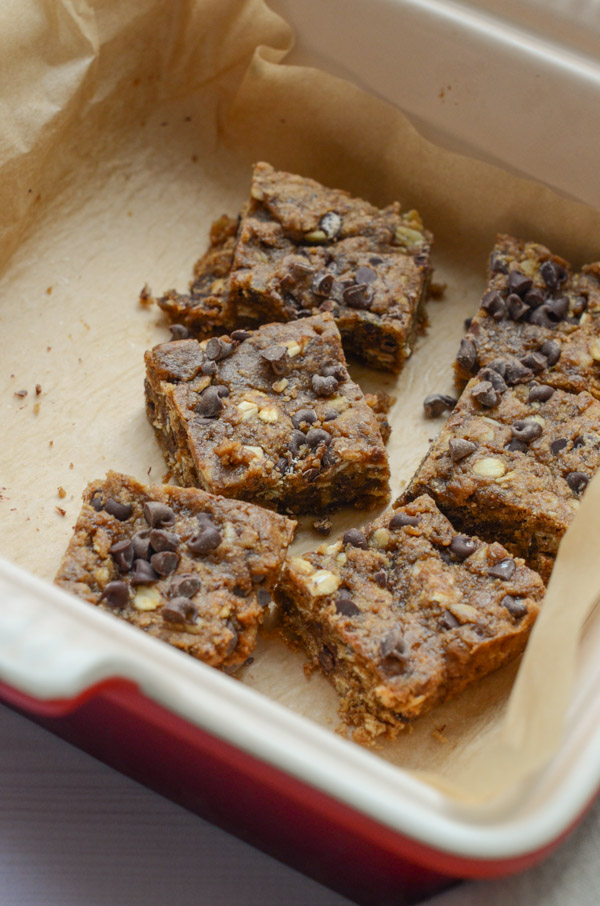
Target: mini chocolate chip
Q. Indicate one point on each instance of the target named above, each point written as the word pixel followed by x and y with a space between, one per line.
pixel 337 371
pixel 141 545
pixel 179 610
pixel 459 448
pixel 577 481
pixel 162 540
pixel 263 597
pixel 526 431
pixel 326 660
pixel 120 511
pixel 179 332
pixel 485 394
pixel 123 554
pixel 209 368
pixel 346 606
pixel 504 569
pixel 448 621
pixel 559 444
pixel 116 593
pixel 331 224
pixel 393 646
pixel 365 275
pixel 437 403
pixel 467 355
pixel 306 416
pixel 543 317
pixel 277 357
pixel 494 305
pixel 204 519
pixel 323 284
pixel 375 259
pixel 281 465
pixel 164 562
pixel 468 322
pixel 96 501
pixel 540 393
pixel 579 305
pixel 516 307
pixel 516 607
pixel 158 514
pixel 495 378
pixel 185 586
pixel 380 578
pixel 217 349
pixel 462 546
pixel 553 274
pixel 207 539
pixel 317 436
pixel 516 372
pixel 498 264
pixel 324 386
pixel 579 441
pixel 222 390
pixel 355 538
pixel 519 283
pixel 517 446
pixel 551 350
pixel 330 415
pixel 143 573
pixel 398 520
pixel 535 361
pixel 238 336
pixel 534 298
pixel 210 404
pixel 500 366
pixel 559 307
pixel 296 440
pixel 359 296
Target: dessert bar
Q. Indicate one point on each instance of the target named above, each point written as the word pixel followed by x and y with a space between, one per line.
pixel 189 568
pixel 538 317
pixel 269 416
pixel 405 613
pixel 512 463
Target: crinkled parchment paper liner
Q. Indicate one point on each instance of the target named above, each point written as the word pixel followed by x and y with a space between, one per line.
pixel 125 128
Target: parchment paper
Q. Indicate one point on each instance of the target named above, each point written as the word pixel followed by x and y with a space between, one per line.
pixel 125 128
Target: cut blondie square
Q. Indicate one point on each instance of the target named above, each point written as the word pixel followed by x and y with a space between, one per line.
pixel 302 248
pixel 186 567
pixel 406 613
pixel 205 310
pixel 537 317
pixel 269 416
pixel 512 463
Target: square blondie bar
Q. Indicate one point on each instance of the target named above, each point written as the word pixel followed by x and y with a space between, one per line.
pixel 538 318
pixel 189 568
pixel 269 416
pixel 406 613
pixel 511 463
pixel 303 248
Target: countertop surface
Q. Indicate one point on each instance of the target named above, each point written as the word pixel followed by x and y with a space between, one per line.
pixel 73 832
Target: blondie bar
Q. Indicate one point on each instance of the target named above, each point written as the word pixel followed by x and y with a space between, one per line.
pixel 538 318
pixel 405 613
pixel 269 416
pixel 511 463
pixel 189 568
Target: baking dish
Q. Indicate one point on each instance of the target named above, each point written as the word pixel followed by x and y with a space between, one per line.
pixel 171 722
